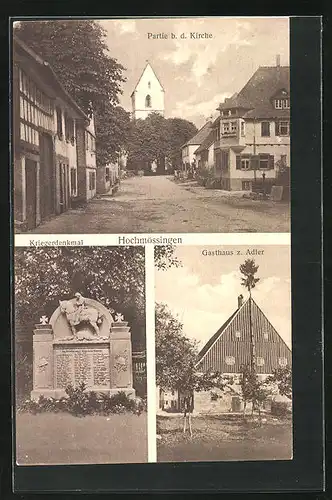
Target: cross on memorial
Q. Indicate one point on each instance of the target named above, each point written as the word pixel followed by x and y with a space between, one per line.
pixel 119 317
pixel 43 320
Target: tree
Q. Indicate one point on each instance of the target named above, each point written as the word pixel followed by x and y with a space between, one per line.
pixel 79 55
pixel 157 138
pixel 253 390
pixel 180 131
pixel 282 379
pixel 249 269
pixel 164 257
pixel 176 358
pixel 115 276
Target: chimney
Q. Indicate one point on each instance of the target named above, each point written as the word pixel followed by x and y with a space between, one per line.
pixel 239 301
pixel 278 61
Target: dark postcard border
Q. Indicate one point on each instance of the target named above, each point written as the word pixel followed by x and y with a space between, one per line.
pixel 305 471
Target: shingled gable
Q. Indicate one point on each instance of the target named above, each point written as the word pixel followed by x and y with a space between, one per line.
pixel 142 73
pixel 201 135
pixel 232 340
pixel 256 97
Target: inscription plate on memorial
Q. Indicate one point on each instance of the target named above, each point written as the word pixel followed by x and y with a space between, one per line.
pixel 74 365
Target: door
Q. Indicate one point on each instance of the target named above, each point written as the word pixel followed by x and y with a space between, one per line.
pixel 47 178
pixel 31 192
pixel 62 188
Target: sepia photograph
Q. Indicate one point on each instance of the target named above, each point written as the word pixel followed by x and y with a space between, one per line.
pixel 188 133
pixel 80 356
pixel 223 353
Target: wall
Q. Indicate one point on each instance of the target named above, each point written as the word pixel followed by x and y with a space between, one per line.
pixel 188 153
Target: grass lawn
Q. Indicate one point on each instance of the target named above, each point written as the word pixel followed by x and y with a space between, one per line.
pixel 222 438
pixel 60 438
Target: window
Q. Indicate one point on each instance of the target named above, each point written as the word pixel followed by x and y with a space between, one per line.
pixel 266 162
pixel 266 336
pixel 243 130
pixel 69 129
pixel 92 181
pixel 73 181
pixel 230 360
pixel 148 101
pixel 59 130
pixel 225 128
pixel 283 128
pixel 260 361
pixel 149 85
pixel 107 174
pixel 245 164
pixel 229 128
pixel 265 129
pixel 224 160
pixel 90 142
pixel 285 103
pixel 246 185
pixel 278 103
pixel 282 362
pixel 237 334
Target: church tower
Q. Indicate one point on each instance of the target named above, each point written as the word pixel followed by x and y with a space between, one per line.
pixel 148 95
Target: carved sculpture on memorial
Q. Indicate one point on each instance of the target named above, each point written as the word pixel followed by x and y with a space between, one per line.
pixel 78 312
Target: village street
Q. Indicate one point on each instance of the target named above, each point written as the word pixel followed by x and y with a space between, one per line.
pixel 156 204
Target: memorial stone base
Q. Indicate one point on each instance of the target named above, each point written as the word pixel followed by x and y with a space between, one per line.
pixel 103 363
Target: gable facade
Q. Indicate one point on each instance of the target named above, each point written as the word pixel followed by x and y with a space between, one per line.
pixel 148 95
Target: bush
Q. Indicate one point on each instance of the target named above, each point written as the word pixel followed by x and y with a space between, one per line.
pixel 280 408
pixel 80 402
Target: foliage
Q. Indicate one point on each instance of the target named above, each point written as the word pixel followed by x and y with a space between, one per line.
pixel 115 276
pixel 253 390
pixel 112 132
pixel 176 358
pixel 78 53
pixel 180 131
pixel 164 257
pixel 282 378
pixel 80 402
pixel 157 138
pixel 249 269
pixel 280 408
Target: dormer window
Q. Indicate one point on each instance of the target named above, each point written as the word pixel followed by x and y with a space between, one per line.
pixel 281 103
pixel 148 101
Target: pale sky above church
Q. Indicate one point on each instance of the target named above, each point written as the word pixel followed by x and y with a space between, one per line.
pixel 203 292
pixel 197 74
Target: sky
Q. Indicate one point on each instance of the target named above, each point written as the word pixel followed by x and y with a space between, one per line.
pixel 207 288
pixel 197 74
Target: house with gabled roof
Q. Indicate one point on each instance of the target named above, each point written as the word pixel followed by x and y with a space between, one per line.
pixel 188 149
pixel 228 351
pixel 53 142
pixel 253 142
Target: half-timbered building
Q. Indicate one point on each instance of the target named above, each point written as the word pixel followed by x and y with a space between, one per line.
pixel 45 125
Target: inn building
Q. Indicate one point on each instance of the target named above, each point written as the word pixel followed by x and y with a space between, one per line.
pixel 53 143
pixel 228 351
pixel 251 142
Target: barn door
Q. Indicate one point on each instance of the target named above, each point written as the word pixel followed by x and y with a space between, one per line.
pixel 31 192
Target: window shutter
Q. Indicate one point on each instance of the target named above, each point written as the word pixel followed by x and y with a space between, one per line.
pixel 254 162
pixel 277 128
pixel 271 162
pixel 238 162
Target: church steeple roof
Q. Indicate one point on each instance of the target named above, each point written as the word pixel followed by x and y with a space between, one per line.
pixel 142 73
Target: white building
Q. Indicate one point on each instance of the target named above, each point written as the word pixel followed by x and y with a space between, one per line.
pixel 148 95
